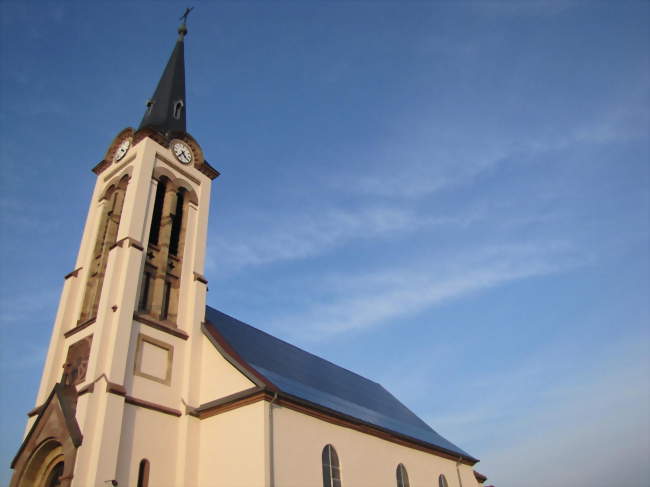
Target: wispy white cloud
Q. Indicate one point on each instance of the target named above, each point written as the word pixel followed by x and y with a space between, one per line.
pixel 301 235
pixel 426 160
pixel 430 169
pixel 371 299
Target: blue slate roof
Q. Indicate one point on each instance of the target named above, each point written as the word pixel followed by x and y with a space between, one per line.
pixel 310 378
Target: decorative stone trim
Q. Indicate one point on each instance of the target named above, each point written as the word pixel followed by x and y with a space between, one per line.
pixel 178 169
pixel 120 168
pixel 227 403
pixel 160 325
pixel 79 327
pixel 55 433
pixel 131 242
pixel 76 362
pixel 153 406
pixel 101 167
pixel 87 389
pixel 200 278
pixel 126 133
pixel 208 170
pixel 119 390
pixel 74 273
pixel 137 366
pixel 111 387
pixel 36 410
pixel 116 389
pixel 152 134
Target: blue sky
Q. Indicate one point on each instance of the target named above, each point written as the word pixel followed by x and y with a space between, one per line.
pixel 448 198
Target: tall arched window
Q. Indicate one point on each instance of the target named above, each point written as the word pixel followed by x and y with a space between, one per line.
pixel 157 211
pixel 177 222
pixel 111 213
pixel 331 468
pixel 143 473
pixel 402 476
pixel 442 481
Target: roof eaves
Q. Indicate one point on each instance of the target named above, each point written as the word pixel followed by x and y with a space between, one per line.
pixel 468 459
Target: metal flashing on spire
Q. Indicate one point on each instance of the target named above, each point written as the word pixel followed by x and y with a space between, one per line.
pixel 166 110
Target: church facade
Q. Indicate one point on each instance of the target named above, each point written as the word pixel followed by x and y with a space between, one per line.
pixel 143 385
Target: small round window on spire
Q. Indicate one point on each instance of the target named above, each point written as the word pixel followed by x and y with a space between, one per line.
pixel 149 106
pixel 178 109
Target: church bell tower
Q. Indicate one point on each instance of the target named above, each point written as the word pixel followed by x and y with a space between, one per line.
pixel 126 336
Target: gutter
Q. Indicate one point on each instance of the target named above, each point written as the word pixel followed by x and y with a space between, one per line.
pixel 271 443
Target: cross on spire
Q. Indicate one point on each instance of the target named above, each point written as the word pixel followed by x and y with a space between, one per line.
pixel 182 30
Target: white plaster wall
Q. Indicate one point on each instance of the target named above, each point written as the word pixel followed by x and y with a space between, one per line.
pixel 232 452
pixel 151 435
pixel 366 461
pixel 218 377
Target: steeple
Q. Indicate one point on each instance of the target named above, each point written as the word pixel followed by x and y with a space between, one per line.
pixel 166 110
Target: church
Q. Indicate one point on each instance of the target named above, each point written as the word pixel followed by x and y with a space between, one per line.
pixel 144 385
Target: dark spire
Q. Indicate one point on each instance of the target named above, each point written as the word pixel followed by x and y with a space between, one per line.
pixel 166 110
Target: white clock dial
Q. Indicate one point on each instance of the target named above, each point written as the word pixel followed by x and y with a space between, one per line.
pixel 122 149
pixel 182 152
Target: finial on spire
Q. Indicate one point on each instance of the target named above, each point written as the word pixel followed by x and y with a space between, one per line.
pixel 182 30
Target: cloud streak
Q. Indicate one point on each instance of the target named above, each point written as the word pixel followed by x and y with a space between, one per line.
pixel 371 299
pixel 427 159
pixel 304 235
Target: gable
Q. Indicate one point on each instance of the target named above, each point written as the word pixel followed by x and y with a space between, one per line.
pixel 54 436
pixel 219 377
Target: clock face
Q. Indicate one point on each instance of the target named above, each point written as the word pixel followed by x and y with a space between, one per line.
pixel 182 152
pixel 122 149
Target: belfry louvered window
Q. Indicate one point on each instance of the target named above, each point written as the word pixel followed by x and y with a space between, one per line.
pixel 157 211
pixel 402 476
pixel 177 222
pixel 442 481
pixel 331 468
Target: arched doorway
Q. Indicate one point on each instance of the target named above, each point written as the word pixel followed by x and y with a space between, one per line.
pixel 45 466
pixel 54 477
